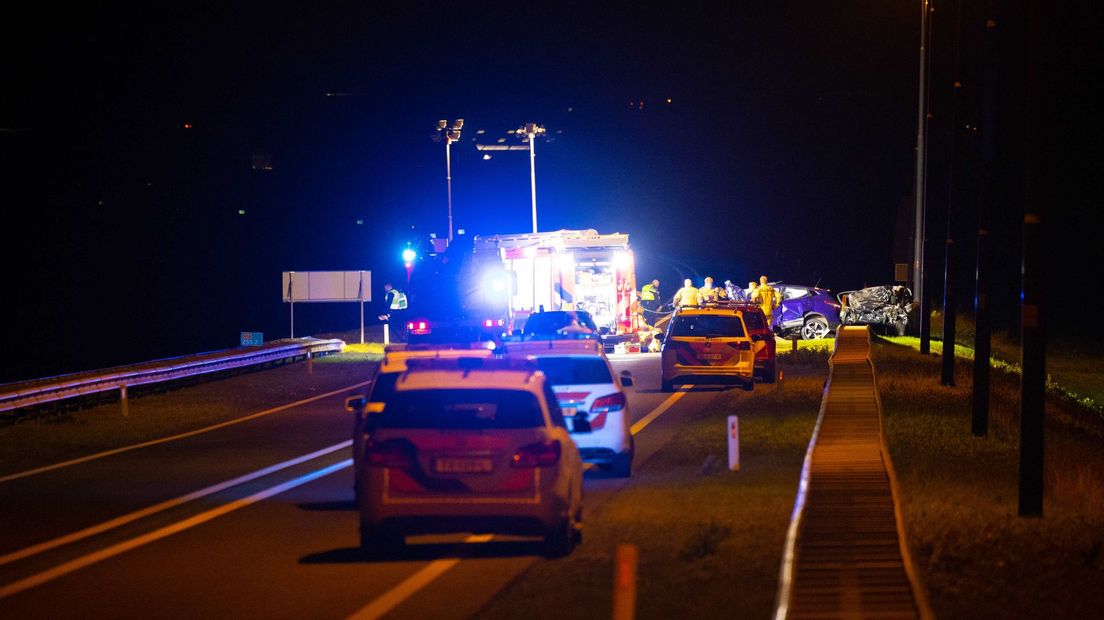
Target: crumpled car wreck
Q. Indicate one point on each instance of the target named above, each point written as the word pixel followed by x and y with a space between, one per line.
pixel 877 305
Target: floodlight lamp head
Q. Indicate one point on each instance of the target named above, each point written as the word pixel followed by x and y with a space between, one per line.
pixel 457 124
pixel 441 124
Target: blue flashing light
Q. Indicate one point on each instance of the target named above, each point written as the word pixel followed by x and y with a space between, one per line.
pixel 408 255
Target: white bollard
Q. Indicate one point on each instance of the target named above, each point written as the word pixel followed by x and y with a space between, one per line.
pixel 386 334
pixel 733 443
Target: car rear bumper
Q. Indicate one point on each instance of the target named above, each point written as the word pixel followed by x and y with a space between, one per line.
pixel 679 371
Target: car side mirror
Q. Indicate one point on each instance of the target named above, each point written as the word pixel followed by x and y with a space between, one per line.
pixel 355 403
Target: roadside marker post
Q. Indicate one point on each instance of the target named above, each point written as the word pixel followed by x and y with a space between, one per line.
pixel 386 334
pixel 310 363
pixel 123 400
pixel 733 443
pixel 624 582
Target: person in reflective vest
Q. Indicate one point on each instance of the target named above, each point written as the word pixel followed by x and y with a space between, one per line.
pixel 649 296
pixel 767 298
pixel 394 298
pixel 395 303
pixel 708 292
pixel 687 295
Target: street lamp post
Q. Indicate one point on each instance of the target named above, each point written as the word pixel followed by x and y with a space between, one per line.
pixel 448 133
pixel 531 131
pixel 921 129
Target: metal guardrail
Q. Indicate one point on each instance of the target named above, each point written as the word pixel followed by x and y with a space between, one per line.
pixel 27 394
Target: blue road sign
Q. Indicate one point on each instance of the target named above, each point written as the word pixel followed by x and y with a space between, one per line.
pixel 252 339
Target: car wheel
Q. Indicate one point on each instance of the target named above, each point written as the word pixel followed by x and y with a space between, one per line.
pixel 900 327
pixel 622 465
pixel 815 327
pixel 560 542
pixel 668 386
pixel 748 385
pixel 770 371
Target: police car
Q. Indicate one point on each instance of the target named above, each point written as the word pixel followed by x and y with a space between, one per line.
pixel 709 344
pixel 591 396
pixel 470 445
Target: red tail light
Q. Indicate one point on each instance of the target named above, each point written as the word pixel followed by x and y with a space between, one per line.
pixel 605 404
pixel 418 327
pixel 537 455
pixel 389 454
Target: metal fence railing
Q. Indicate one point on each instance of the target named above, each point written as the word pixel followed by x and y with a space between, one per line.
pixel 42 391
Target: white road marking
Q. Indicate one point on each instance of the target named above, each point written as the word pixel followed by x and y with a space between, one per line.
pixel 408 588
pixel 146 444
pixel 172 503
pixel 114 550
pixel 395 596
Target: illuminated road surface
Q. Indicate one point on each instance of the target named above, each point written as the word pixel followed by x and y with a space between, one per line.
pixel 255 520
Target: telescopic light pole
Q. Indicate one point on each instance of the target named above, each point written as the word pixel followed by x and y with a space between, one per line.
pixel 531 131
pixel 449 134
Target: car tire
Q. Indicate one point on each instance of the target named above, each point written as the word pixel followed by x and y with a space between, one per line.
pixel 560 541
pixel 899 327
pixel 621 467
pixel 770 371
pixel 748 385
pixel 815 327
pixel 668 386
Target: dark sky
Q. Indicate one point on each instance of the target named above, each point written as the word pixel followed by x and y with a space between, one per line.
pixel 786 148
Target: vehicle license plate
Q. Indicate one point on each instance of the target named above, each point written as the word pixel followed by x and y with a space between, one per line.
pixel 709 356
pixel 462 466
pixel 569 412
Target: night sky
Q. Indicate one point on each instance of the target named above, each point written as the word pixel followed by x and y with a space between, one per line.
pixel 129 134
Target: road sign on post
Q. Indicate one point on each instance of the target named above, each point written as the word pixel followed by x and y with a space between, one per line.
pixel 327 286
pixel 252 339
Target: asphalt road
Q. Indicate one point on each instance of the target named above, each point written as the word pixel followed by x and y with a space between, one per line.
pixel 257 520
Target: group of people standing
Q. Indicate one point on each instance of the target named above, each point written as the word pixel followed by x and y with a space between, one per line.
pixel 760 293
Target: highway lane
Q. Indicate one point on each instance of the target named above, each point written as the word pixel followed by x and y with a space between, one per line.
pixel 290 555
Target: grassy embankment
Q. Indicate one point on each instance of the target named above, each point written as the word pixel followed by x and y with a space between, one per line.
pixel 710 540
pixel 976 557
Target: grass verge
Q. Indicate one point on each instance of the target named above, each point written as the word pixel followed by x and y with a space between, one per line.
pixel 66 434
pixel 710 540
pixel 959 493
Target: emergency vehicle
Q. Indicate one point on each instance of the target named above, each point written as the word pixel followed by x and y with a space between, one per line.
pixel 470 445
pixel 522 274
pixel 709 344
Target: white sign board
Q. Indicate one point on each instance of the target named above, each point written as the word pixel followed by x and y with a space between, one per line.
pixel 317 286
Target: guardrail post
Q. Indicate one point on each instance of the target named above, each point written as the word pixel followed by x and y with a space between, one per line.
pixel 123 400
pixel 624 582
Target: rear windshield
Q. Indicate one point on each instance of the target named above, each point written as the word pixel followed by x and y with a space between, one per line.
pixel 708 326
pixel 574 370
pixel 461 409
pixel 754 321
pixel 551 322
pixel 383 387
